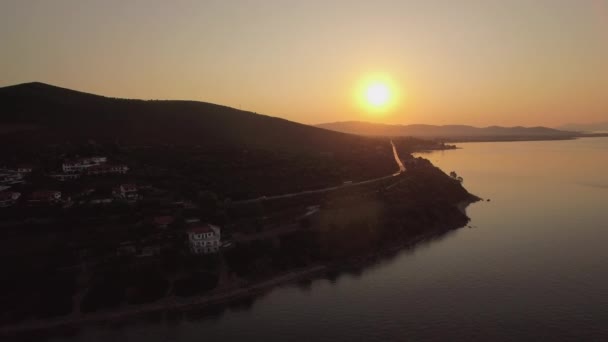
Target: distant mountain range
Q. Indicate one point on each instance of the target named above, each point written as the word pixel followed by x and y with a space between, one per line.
pixel 449 132
pixel 589 127
pixel 51 114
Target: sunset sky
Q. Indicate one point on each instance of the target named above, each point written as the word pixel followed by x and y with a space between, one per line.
pixel 515 62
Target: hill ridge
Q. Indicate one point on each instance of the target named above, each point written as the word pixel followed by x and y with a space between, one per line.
pixel 441 131
pixel 66 114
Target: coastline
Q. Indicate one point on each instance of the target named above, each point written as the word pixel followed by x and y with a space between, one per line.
pixel 228 295
pixel 523 139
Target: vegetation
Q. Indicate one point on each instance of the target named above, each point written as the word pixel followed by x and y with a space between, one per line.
pixel 195 161
pixel 455 176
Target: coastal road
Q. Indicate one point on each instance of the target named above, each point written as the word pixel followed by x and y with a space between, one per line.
pixel 398 160
pixel 332 188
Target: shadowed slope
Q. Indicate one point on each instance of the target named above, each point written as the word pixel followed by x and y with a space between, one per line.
pixel 62 114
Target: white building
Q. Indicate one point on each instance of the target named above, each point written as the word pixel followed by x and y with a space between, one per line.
pixel 98 159
pixel 65 176
pixel 127 191
pixel 24 169
pixel 101 200
pixel 103 169
pixel 79 165
pixel 204 239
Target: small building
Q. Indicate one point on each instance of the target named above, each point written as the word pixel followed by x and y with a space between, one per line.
pixel 77 165
pixel 97 200
pixel 127 191
pixel 8 198
pixel 81 164
pixel 204 239
pixel 24 169
pixel 65 176
pixel 163 222
pixel 45 197
pixel 105 169
pixel 98 159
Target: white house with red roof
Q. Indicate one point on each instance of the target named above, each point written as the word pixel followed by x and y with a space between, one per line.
pixel 204 239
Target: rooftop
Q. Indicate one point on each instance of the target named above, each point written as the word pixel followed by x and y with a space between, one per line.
pixel 163 220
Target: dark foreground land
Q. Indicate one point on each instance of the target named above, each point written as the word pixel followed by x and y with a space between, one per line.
pixel 104 242
pixel 68 266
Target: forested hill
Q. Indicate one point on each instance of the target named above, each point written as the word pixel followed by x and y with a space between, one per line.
pixel 54 114
pixel 185 145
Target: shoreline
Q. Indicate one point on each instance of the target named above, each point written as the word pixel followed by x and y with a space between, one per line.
pixel 225 296
pixel 524 139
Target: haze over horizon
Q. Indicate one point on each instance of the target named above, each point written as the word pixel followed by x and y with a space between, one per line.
pixel 478 63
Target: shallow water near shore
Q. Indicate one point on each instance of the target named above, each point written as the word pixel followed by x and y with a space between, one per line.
pixel 532 266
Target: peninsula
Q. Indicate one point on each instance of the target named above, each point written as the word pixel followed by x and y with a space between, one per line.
pixel 116 207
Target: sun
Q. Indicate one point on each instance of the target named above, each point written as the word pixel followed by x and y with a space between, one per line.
pixel 377 94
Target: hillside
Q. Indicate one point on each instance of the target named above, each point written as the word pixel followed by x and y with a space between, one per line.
pixel 184 146
pixel 59 115
pixel 452 132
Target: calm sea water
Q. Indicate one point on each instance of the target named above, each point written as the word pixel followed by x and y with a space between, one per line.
pixel 533 266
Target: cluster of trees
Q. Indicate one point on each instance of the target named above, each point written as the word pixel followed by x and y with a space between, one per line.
pixel 455 176
pixel 263 258
pixel 38 284
pixel 243 173
pixel 116 285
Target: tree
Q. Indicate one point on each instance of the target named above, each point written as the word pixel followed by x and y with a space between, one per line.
pixel 455 176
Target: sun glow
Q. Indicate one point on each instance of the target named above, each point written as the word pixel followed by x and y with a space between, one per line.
pixel 377 94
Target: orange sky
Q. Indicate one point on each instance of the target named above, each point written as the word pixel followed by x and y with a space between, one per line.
pixel 480 62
